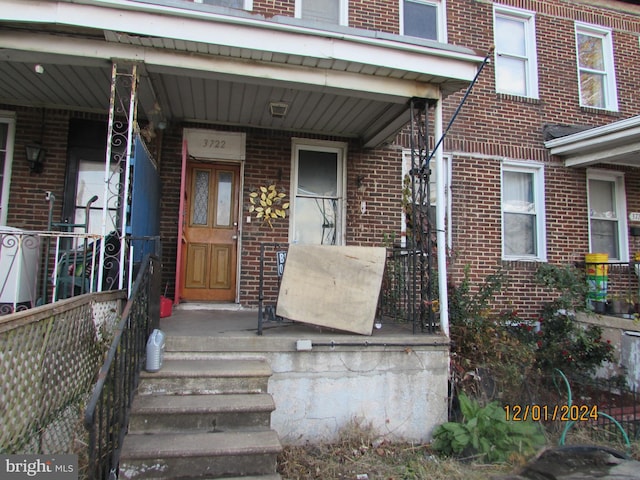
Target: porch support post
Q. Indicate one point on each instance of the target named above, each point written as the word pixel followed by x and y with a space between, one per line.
pixel 422 246
pixel 116 198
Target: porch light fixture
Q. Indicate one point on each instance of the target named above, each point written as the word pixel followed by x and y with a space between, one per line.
pixel 35 152
pixel 278 109
pixel 35 156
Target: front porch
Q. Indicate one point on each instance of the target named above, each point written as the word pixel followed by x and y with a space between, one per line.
pixel 322 379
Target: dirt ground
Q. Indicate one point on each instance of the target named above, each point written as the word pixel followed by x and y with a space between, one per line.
pixel 360 455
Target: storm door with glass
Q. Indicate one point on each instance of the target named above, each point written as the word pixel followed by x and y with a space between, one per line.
pixel 318 202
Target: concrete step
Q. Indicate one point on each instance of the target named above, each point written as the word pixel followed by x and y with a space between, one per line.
pixel 206 376
pixel 199 455
pixel 200 413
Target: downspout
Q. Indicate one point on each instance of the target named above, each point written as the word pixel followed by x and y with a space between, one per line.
pixel 441 237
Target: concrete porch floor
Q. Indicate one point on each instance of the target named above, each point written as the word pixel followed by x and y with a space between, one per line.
pixel 228 321
pixel 323 379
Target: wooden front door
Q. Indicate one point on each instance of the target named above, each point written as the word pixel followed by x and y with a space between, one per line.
pixel 210 252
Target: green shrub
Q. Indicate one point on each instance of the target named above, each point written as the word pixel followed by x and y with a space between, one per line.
pixel 486 433
pixel 488 361
pixel 562 343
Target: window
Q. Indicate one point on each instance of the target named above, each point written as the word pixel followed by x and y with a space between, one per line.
pixel 7 131
pixel 91 183
pixel 406 168
pixel 596 73
pixel 423 19
pixel 318 182
pixel 523 223
pixel 241 4
pixel 334 12
pixel 516 60
pixel 607 214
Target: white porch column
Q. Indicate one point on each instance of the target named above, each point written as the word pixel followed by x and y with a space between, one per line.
pixel 117 170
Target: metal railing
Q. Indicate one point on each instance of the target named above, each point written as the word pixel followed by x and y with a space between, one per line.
pixel 107 413
pixel 48 362
pixel 618 406
pixel 270 276
pixel 403 297
pixel 41 267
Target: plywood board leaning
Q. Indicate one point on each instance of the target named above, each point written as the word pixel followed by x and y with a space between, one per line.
pixel 331 286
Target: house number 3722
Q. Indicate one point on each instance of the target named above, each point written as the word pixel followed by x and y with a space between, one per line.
pixel 213 143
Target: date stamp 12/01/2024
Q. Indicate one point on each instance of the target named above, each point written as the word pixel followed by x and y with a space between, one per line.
pixel 551 413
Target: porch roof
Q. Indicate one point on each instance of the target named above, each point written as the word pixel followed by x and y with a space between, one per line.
pixel 218 65
pixel 616 143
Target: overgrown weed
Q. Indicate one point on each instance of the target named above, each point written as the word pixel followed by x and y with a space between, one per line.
pixel 360 453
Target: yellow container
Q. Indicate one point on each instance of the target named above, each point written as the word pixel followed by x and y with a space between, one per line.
pixel 597 276
pixel 597 264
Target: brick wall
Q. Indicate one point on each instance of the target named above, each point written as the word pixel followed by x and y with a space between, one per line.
pixel 28 207
pixel 378 15
pixel 492 127
pixel 268 161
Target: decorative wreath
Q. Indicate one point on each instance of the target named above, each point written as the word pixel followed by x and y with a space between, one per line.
pixel 268 204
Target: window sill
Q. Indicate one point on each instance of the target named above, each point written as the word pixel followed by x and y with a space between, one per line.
pixel 518 98
pixel 600 111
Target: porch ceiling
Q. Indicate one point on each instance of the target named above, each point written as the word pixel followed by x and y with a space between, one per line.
pixel 335 83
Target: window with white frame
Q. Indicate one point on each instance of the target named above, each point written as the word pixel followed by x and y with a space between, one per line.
pixel 241 4
pixel 7 132
pixel 334 12
pixel 318 193
pixel 406 179
pixel 516 67
pixel 607 214
pixel 423 19
pixel 523 222
pixel 596 71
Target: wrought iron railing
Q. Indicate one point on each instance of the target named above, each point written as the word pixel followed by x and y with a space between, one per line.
pixel 41 267
pixel 617 406
pixel 403 297
pixel 107 413
pixel 272 259
pixel 48 363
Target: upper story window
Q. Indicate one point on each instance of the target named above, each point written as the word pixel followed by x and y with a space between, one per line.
pixel 516 60
pixel 423 19
pixel 334 12
pixel 241 4
pixel 596 72
pixel 607 214
pixel 523 222
pixel 7 132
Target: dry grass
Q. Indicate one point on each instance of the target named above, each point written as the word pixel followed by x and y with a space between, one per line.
pixel 359 454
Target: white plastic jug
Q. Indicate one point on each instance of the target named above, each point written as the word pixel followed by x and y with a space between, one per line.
pixel 155 350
